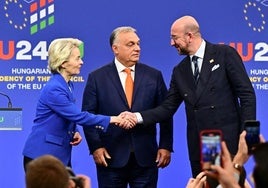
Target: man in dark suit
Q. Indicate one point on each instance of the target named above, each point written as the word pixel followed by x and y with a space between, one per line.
pixel 217 92
pixel 127 157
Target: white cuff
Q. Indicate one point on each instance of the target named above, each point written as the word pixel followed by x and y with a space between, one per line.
pixel 139 117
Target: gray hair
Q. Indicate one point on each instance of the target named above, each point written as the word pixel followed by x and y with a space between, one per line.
pixel 118 30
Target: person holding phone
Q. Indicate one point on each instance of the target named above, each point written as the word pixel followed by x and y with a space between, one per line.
pixel 210 141
pixel 231 173
pixel 48 171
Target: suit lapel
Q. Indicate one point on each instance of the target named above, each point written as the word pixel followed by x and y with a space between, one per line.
pixel 188 74
pixel 115 81
pixel 68 86
pixel 139 75
pixel 205 71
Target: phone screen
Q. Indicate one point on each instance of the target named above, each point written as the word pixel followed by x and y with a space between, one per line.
pixel 210 148
pixel 252 128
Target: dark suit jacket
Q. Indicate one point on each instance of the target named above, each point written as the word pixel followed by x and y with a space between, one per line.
pixel 223 98
pixel 104 94
pixel 55 121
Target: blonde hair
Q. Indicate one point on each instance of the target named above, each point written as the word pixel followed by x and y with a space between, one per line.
pixel 59 51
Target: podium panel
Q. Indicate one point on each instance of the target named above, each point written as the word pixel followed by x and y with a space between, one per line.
pixel 10 118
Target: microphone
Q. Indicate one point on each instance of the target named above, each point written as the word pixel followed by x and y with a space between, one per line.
pixel 9 104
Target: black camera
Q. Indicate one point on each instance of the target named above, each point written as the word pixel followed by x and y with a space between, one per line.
pixel 78 181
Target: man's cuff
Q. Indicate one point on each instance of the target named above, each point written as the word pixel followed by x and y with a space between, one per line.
pixel 139 118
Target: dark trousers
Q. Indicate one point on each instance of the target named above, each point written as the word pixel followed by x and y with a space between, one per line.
pixel 132 174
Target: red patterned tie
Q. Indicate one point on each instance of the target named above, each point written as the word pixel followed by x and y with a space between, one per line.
pixel 129 84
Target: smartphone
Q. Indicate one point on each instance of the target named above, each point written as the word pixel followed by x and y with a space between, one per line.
pixel 210 141
pixel 252 128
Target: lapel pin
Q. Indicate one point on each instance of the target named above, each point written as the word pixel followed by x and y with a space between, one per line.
pixel 211 61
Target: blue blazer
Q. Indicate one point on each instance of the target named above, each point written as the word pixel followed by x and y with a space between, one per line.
pixel 56 119
pixel 104 94
pixel 223 98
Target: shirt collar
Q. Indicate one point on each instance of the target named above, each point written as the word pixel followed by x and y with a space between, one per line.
pixel 120 67
pixel 201 50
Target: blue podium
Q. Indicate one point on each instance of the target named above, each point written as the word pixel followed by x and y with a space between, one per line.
pixel 10 118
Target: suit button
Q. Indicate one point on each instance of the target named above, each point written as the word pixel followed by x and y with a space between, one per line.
pixel 212 107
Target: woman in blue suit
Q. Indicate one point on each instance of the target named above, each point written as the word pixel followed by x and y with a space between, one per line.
pixel 54 131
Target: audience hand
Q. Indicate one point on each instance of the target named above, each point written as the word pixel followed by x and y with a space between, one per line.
pixel 242 155
pixel 100 155
pixel 224 174
pixel 86 182
pixel 198 182
pixel 262 139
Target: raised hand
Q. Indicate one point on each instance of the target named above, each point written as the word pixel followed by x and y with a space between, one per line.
pixel 225 173
pixel 198 182
pixel 84 180
pixel 242 155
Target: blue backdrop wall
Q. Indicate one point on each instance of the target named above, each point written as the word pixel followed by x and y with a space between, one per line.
pixel 28 26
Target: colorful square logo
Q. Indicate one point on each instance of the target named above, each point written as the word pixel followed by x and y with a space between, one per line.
pixel 36 15
pixel 41 15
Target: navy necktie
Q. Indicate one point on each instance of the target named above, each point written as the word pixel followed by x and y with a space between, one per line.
pixel 196 69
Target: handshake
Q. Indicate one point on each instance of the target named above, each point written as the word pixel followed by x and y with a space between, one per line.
pixel 126 120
